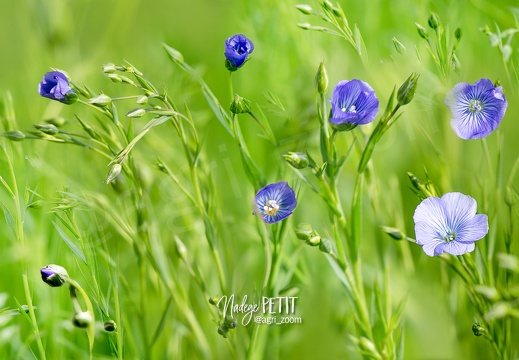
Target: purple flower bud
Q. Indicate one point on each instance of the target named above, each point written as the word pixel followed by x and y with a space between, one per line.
pixel 54 275
pixel 55 86
pixel 237 49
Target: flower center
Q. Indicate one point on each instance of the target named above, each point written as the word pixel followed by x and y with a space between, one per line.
pixel 271 207
pixel 450 236
pixel 475 106
pixel 352 109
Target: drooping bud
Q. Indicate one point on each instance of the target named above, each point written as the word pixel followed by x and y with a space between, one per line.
pixel 54 275
pixel 510 197
pixel 321 79
pixel 240 105
pixel 406 91
pixel 113 173
pixel 82 320
pixel 110 326
pixel 297 160
pixel 56 121
pixel 422 31
pixel 115 78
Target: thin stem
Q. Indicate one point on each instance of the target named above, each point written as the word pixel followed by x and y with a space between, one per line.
pixel 20 237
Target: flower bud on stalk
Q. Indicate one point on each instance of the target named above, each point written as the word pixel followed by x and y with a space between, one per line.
pixel 47 129
pixel 101 100
pixel 54 275
pixel 82 320
pixel 321 79
pixel 422 31
pixel 114 172
pixel 110 326
pixel 14 135
pixel 406 91
pixel 240 105
pixel 297 160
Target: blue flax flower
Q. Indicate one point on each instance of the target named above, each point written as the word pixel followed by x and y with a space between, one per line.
pixel 449 224
pixel 476 109
pixel 275 202
pixel 237 49
pixel 55 86
pixel 353 103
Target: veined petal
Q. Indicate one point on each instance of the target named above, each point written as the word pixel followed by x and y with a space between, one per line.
pixel 473 229
pixel 454 248
pixel 459 208
pixel 432 211
pixel 476 109
pixel 274 202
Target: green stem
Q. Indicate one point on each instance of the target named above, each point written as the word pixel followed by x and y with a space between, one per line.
pixel 21 238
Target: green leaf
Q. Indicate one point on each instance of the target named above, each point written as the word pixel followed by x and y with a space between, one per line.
pixel 69 242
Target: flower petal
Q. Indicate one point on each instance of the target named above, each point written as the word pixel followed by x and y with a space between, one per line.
pixel 432 211
pixel 454 248
pixel 459 208
pixel 473 229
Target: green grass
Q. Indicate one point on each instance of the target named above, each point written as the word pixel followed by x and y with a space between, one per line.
pixel 120 242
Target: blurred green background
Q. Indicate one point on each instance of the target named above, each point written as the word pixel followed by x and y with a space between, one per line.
pixel 79 36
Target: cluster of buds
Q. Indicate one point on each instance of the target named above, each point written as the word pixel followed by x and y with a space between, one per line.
pixel 306 233
pixel 227 324
pixel 56 276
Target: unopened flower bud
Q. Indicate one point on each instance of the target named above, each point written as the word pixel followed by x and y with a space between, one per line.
pixel 82 320
pixel 115 78
pixel 56 121
pixel 47 129
pixel 304 26
pixel 141 100
pixel 510 197
pixel 214 300
pixel 304 8
pixel 399 47
pixel 395 233
pixel 314 241
pixel 54 275
pixel 434 21
pixel 180 248
pixel 297 160
pixel 240 105
pixel 70 98
pixel 113 173
pixel 326 246
pixel 14 135
pixel 321 79
pixel 458 33
pixel 367 346
pixel 100 100
pixel 304 232
pixel 406 91
pixel 422 31
pixel 478 330
pixel 110 326
pixel 109 68
pixel 136 113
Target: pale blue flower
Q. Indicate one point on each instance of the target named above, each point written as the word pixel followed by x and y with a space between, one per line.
pixel 476 109
pixel 449 224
